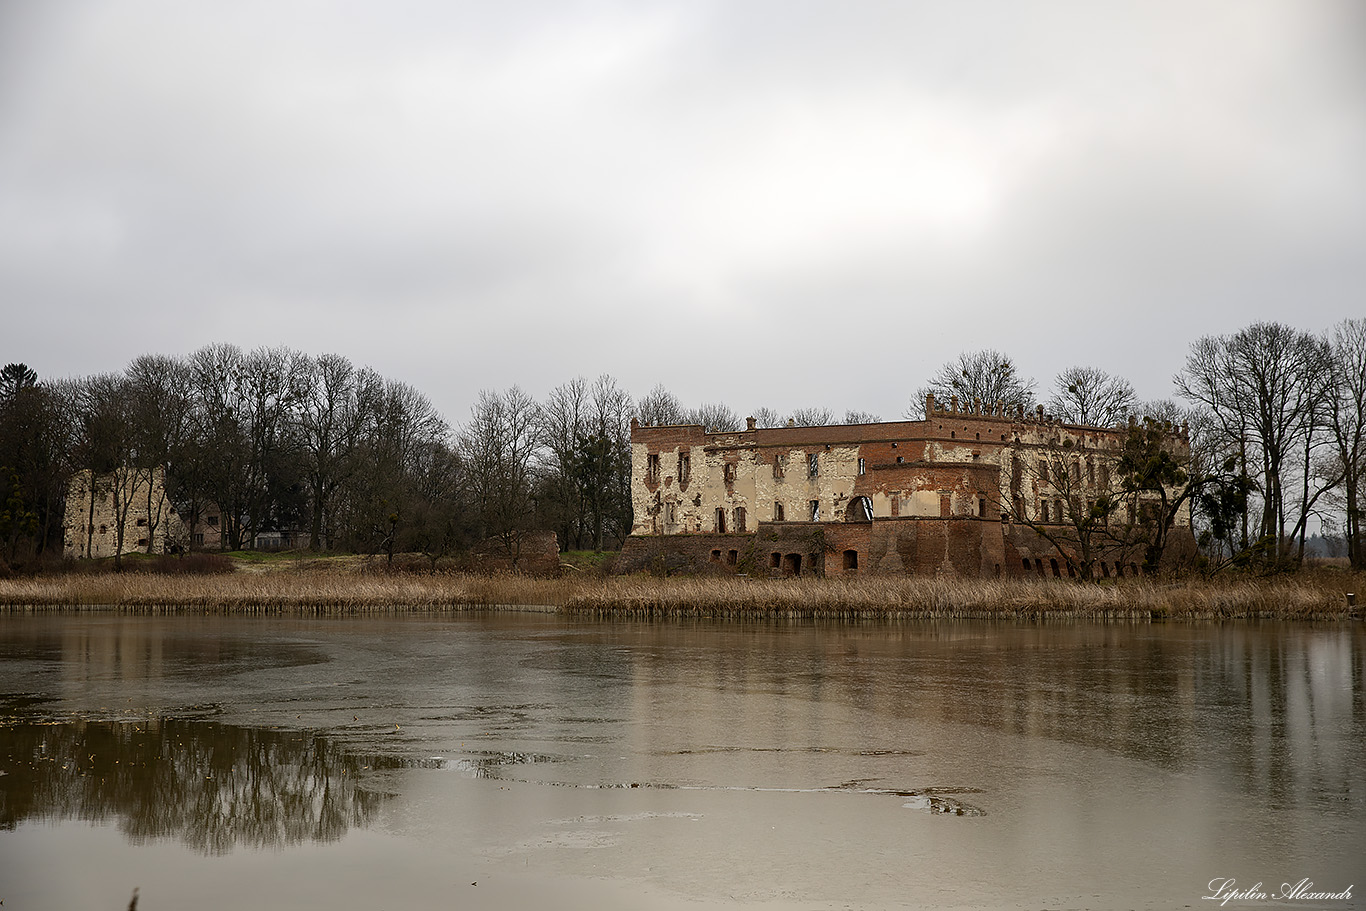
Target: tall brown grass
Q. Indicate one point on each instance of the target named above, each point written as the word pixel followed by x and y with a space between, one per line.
pixel 320 589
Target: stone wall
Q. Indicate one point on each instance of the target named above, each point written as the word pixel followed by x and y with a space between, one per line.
pixel 91 518
pixel 950 494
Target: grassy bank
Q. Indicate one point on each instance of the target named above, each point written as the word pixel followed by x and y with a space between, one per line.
pixel 352 585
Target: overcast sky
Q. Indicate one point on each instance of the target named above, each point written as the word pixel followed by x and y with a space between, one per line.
pixel 765 203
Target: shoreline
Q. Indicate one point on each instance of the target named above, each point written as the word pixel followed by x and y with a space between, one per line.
pixel 323 592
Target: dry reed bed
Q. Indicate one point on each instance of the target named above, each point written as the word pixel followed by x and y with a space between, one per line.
pixel 316 590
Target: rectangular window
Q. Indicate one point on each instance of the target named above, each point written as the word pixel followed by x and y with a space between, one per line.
pixel 1043 471
pixel 815 510
pixel 862 467
pixel 740 519
pixel 668 514
pixel 684 467
pixel 777 511
pixel 720 521
pixel 813 465
pixel 652 467
pixel 213 521
pixel 730 471
pixel 142 523
pixel 777 466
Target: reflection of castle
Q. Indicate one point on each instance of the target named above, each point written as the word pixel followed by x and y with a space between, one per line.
pixel 215 787
pixel 971 491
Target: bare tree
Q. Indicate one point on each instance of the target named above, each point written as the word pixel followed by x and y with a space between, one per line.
pixel 159 388
pixel 498 446
pixel 987 376
pixel 812 417
pixel 1347 420
pixel 715 417
pixel 860 417
pixel 1055 490
pixel 767 417
pixel 563 422
pixel 603 462
pixel 659 407
pixel 1264 386
pixel 106 448
pixel 402 431
pixel 1090 396
pixel 337 404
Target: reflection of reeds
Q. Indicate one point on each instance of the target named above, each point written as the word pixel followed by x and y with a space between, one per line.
pixel 328 590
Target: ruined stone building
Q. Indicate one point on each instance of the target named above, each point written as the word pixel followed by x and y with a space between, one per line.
pixel 972 491
pixel 91 519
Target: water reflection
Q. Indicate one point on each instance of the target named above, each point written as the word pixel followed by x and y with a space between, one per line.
pixel 1275 709
pixel 213 786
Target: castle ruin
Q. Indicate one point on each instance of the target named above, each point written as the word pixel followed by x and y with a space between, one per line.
pixel 971 491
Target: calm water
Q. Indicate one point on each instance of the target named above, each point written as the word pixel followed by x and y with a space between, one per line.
pixel 527 760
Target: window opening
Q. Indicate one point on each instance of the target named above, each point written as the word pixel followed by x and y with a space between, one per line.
pixel 860 509
pixel 740 519
pixel 684 467
pixel 732 557
pixel 815 510
pixel 813 465
pixel 651 467
pixel 777 511
pixel 851 559
pixel 720 521
pixel 862 467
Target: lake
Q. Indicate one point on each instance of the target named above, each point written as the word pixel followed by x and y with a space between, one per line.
pixel 533 760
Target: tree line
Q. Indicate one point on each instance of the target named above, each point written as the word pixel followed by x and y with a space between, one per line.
pixel 348 460
pixel 1277 423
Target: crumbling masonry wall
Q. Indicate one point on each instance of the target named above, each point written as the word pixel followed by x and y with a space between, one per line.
pixel 935 496
pixel 90 524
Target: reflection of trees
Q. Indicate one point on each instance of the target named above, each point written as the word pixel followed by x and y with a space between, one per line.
pixel 1274 710
pixel 214 786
